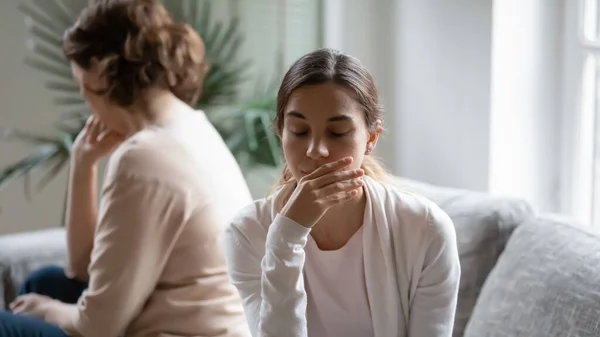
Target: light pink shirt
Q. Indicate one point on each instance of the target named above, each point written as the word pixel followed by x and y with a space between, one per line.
pixel 338 304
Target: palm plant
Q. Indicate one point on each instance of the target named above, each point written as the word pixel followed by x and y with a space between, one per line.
pixel 244 126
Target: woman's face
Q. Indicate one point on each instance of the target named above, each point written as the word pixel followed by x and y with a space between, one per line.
pixel 323 123
pixel 89 81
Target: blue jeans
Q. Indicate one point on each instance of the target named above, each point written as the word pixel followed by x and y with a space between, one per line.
pixel 52 282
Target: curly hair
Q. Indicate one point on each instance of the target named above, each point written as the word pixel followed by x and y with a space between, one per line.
pixel 136 45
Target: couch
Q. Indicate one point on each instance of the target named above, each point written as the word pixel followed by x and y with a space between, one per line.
pixel 523 274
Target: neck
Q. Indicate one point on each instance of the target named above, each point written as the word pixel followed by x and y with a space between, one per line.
pixel 158 108
pixel 340 223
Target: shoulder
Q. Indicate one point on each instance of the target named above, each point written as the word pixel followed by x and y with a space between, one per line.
pixel 413 213
pixel 252 221
pixel 150 155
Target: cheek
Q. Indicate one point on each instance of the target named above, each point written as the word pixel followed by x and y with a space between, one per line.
pixel 293 147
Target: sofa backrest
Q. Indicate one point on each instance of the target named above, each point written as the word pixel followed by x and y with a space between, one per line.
pixel 545 284
pixel 483 226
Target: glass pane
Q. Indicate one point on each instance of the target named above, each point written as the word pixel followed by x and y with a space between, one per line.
pixel 590 27
pixel 585 157
pixel 596 150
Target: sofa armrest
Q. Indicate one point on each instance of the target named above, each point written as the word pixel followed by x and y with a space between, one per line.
pixel 22 253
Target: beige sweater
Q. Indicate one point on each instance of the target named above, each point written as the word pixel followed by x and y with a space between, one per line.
pixel 157 267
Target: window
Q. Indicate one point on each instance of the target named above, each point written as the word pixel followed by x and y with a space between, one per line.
pixel 582 54
pixel 590 33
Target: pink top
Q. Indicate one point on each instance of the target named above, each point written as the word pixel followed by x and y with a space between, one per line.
pixel 338 304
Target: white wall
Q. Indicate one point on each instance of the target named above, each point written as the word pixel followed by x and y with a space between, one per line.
pixel 526 100
pixel 432 63
pixel 472 89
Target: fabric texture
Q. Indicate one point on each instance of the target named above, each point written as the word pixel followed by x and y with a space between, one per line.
pixel 22 326
pixel 22 253
pixel 410 256
pixel 338 303
pixel 50 281
pixel 545 284
pixel 157 267
pixel 483 224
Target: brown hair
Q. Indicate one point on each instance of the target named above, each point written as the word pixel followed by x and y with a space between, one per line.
pixel 328 65
pixel 137 46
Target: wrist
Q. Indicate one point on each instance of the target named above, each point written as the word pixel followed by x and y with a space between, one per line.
pixel 297 219
pixel 81 161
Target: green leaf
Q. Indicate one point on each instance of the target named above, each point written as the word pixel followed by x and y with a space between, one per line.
pixel 69 101
pixel 48 37
pixel 57 11
pixel 39 156
pixel 66 87
pixel 58 71
pixel 203 21
pixel 54 170
pixel 34 17
pixel 49 54
pixel 29 137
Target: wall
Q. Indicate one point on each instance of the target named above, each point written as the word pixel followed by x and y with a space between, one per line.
pixel 25 105
pixel 527 100
pixel 432 62
pixel 472 89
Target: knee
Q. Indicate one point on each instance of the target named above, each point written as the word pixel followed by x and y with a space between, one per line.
pixel 42 278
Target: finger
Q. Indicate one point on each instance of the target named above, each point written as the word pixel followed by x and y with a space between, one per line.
pixel 21 307
pixel 339 198
pixel 94 131
pixel 340 186
pixel 17 302
pixel 88 122
pixel 105 133
pixel 337 176
pixel 329 167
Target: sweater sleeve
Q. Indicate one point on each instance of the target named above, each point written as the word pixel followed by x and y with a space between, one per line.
pixel 434 305
pixel 271 286
pixel 139 220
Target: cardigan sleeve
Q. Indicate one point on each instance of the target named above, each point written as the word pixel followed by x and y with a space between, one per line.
pixel 271 286
pixel 433 308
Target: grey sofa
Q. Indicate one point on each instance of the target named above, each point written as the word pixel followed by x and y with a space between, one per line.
pixel 523 274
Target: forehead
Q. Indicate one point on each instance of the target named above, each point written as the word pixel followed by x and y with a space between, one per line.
pixel 322 101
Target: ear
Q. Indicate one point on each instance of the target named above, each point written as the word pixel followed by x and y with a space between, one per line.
pixel 373 137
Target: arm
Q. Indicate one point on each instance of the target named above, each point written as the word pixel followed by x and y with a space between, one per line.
pixel 81 217
pixel 434 305
pixel 271 287
pixel 139 220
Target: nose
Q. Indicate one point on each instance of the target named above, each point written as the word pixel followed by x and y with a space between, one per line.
pixel 317 149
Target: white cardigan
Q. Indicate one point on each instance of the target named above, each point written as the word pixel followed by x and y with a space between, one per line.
pixel 411 265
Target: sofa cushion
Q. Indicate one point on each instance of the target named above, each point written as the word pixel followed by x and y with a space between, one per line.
pixel 22 253
pixel 483 225
pixel 545 284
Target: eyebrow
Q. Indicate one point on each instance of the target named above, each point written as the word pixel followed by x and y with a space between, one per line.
pixel 337 118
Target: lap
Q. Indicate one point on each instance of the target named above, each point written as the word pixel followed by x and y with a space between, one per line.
pixel 51 281
pixel 22 326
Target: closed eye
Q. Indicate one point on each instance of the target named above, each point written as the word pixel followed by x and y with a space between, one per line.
pixel 339 134
pixel 298 134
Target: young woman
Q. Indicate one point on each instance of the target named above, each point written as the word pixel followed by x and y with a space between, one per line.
pixel 150 257
pixel 337 250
